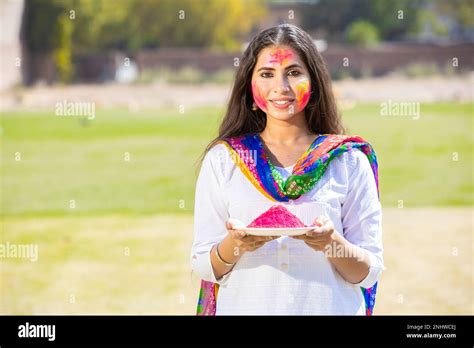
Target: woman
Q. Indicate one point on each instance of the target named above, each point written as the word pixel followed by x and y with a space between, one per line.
pixel 280 142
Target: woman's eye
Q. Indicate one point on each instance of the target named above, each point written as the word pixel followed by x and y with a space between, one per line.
pixel 266 75
pixel 293 73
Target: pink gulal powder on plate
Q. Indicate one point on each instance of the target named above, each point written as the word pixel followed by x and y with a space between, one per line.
pixel 275 217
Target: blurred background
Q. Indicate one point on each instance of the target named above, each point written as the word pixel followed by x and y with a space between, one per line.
pixel 106 107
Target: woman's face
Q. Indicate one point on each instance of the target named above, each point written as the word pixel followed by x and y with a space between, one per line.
pixel 280 82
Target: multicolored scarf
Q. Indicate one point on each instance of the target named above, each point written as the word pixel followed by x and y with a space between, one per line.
pixel 309 168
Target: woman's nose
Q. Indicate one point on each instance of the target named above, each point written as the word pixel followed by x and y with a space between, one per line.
pixel 281 85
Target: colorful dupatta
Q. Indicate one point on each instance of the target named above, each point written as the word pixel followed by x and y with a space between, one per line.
pixel 307 171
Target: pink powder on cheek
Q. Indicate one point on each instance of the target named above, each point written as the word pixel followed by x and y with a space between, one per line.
pixel 257 98
pixel 303 93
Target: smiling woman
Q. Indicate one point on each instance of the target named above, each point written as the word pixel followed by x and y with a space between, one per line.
pixel 282 109
pixel 284 67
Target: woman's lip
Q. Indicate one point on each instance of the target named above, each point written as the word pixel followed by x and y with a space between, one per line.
pixel 282 106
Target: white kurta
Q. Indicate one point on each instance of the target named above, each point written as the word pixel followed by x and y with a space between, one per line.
pixel 286 276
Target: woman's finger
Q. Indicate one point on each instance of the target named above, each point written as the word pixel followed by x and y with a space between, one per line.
pixel 319 235
pixel 319 246
pixel 252 246
pixel 318 222
pixel 251 239
pixel 317 238
pixel 243 236
pixel 327 228
pixel 313 241
pixel 238 234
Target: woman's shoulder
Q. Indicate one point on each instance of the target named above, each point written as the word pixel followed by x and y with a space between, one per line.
pixel 227 148
pixel 218 158
pixel 352 156
pixel 217 152
pixel 353 162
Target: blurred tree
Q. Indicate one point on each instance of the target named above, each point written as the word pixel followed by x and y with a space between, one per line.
pixel 207 23
pixel 393 19
pixel 134 24
pixel 40 24
pixel 102 25
pixel 62 51
pixel 460 10
pixel 67 28
pixel 429 25
pixel 48 28
pixel 363 33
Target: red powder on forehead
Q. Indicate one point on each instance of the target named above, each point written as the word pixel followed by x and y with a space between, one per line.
pixel 280 55
pixel 277 216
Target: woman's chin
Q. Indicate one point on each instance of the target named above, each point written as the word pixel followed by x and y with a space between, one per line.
pixel 282 115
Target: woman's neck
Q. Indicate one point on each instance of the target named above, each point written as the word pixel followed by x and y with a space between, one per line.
pixel 286 132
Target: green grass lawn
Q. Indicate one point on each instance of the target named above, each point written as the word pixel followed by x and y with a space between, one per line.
pixel 65 158
pixel 100 264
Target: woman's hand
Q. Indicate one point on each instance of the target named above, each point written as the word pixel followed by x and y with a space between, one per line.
pixel 321 236
pixel 245 242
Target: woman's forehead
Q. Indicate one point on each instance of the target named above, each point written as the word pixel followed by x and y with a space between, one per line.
pixel 278 56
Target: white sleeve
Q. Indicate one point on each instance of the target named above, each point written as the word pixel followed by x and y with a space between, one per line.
pixel 210 216
pixel 362 214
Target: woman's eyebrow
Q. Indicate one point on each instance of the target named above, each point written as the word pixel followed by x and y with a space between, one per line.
pixel 296 65
pixel 287 68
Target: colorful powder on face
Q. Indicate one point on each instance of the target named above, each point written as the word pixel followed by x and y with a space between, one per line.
pixel 283 56
pixel 302 94
pixel 257 98
pixel 280 56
